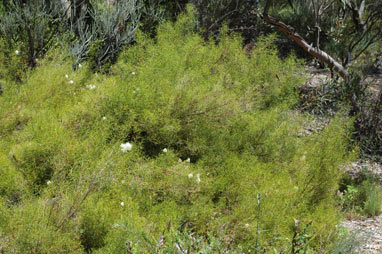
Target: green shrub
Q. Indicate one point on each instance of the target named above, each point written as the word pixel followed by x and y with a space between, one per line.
pixel 13 66
pixel 209 130
pixel 12 186
pixel 32 160
pixel 30 230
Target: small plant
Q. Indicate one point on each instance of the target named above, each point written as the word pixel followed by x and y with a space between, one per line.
pixel 372 203
pixel 300 238
pixel 362 197
pixel 325 99
pixel 347 242
pixel 258 231
pixel 348 198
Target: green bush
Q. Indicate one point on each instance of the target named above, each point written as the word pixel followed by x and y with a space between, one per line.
pixel 33 161
pixel 205 130
pixel 13 66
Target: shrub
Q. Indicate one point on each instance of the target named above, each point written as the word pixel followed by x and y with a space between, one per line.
pixel 29 28
pixel 11 187
pixel 13 63
pixel 237 14
pixel 33 230
pixel 209 131
pixel 102 30
pixel 368 126
pixel 32 160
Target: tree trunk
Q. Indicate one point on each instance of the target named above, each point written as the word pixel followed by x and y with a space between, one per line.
pixel 314 51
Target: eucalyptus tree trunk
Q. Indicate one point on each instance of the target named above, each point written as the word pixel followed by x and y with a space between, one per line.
pixel 314 51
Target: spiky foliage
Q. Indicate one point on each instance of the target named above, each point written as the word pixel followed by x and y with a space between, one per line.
pixel 31 27
pixel 102 29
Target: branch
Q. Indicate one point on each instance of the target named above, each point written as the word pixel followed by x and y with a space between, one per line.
pixel 319 54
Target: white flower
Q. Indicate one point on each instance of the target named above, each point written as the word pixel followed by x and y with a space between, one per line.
pixel 179 160
pixel 17 52
pixel 71 82
pixel 188 160
pixel 165 150
pixel 190 175
pixel 91 87
pixel 133 73
pixel 123 181
pixel 198 178
pixel 122 204
pixel 80 66
pixel 126 147
pixel 66 76
pixel 104 118
pixel 246 225
pixel 48 182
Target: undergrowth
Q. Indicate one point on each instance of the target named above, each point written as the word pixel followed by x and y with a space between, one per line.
pixel 205 131
pixel 361 196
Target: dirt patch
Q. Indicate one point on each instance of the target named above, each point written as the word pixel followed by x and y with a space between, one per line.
pixel 369 231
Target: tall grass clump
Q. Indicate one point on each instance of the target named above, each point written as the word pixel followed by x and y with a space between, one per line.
pixel 184 146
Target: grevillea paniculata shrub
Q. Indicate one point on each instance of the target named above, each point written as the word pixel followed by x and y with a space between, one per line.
pixel 184 145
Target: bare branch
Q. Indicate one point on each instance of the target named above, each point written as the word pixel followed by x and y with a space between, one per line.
pixel 319 54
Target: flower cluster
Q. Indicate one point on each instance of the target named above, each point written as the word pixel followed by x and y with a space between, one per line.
pixel 91 87
pixel 126 147
pixel 191 175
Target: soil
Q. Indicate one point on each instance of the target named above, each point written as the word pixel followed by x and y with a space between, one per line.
pixel 369 232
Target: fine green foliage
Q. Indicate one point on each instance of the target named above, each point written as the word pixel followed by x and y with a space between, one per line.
pixel 211 157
